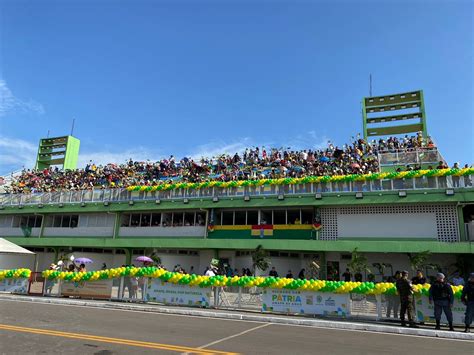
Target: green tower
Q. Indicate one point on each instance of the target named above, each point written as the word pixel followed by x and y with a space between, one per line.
pixel 391 115
pixel 63 151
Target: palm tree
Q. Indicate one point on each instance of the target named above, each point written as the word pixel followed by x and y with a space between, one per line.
pixel 358 265
pixel 418 261
pixel 260 259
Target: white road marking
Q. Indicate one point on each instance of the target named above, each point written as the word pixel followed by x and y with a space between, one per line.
pixel 427 337
pixel 234 336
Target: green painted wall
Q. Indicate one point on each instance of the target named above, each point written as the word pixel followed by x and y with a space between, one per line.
pixel 250 244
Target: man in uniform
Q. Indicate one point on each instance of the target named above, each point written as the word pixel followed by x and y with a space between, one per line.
pixel 441 294
pixel 405 290
pixel 467 297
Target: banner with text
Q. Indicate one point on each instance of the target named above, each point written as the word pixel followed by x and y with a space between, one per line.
pixel 306 302
pixel 14 285
pixel 93 289
pixel 175 294
pixel 425 311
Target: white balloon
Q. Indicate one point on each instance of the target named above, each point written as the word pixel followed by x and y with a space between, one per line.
pixel 60 262
pixel 71 258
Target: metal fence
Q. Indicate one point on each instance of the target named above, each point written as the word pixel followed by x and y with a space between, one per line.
pixel 133 289
pixel 123 195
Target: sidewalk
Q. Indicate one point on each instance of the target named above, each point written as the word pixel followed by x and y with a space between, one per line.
pixel 379 327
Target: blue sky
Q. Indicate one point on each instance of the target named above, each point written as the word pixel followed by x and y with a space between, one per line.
pixel 146 79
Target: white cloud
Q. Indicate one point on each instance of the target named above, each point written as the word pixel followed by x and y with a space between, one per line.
pixel 10 103
pixel 16 154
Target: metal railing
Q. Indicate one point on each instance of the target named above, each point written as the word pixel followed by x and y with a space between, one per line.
pixel 123 195
pixel 410 157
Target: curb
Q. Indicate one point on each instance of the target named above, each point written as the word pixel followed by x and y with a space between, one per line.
pixel 219 314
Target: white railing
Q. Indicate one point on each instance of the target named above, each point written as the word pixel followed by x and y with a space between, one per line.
pixel 123 195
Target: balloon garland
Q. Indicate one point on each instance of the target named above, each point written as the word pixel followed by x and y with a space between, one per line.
pixel 15 274
pixel 365 288
pixel 307 180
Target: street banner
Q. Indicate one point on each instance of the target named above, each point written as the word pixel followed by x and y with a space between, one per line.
pixel 92 289
pixel 425 311
pixel 306 302
pixel 175 294
pixel 14 285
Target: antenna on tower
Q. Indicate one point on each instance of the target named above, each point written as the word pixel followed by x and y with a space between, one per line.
pixel 48 134
pixel 72 126
pixel 370 85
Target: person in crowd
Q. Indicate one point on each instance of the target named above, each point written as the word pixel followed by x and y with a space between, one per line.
pixel 455 178
pixel 104 266
pixel 71 268
pixel 441 294
pixel 405 291
pixel 467 178
pixel 302 275
pixel 393 301
pixel 82 268
pixel 248 272
pixel 191 270
pixel 467 297
pixel 347 275
pixel 359 157
pixel 289 275
pixel 211 271
pixel 134 287
pixel 457 280
pixel 273 272
pixel 419 279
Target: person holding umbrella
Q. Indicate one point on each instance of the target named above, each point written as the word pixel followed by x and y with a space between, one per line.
pixel 82 263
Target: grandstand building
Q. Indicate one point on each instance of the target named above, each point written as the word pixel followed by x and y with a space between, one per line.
pixel 299 222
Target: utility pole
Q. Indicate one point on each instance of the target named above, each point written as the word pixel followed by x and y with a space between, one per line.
pixel 370 85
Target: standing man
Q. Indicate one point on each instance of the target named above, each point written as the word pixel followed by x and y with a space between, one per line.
pixel 442 295
pixel 393 301
pixel 419 279
pixel 273 272
pixel 467 297
pixel 347 275
pixel 405 290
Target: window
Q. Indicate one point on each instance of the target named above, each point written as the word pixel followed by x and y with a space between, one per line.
pixel 189 219
pixel 38 221
pixel 31 221
pixel 74 221
pixel 227 218
pixel 307 216
pixel 266 217
pixel 125 220
pixel 145 220
pixel 92 220
pixel 167 218
pixel 6 221
pixel 200 218
pixel 294 216
pixel 240 218
pixel 279 217
pixel 156 219
pixel 252 218
pixel 66 221
pixel 135 220
pixel 218 218
pixel 178 219
pixel 57 221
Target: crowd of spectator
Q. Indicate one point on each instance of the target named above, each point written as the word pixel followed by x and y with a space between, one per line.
pixel 359 157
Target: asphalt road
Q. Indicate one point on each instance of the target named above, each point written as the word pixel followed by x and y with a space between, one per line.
pixel 33 328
